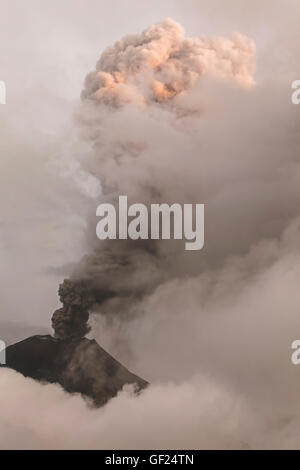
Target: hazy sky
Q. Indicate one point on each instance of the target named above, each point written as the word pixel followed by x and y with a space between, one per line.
pixel 225 330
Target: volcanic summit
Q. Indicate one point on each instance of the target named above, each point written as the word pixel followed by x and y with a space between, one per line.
pixel 78 364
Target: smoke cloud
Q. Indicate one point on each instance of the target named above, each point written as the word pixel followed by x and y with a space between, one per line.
pixel 71 320
pixel 162 63
pixel 212 330
pixel 146 80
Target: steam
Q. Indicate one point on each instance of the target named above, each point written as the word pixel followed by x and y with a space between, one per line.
pixel 142 85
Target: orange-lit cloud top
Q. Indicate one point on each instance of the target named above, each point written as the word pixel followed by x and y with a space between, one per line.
pixel 162 63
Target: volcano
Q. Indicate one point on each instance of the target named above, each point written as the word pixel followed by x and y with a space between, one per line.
pixel 78 365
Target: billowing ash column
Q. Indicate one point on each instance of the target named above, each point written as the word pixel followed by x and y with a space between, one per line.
pixel 71 321
pixel 143 115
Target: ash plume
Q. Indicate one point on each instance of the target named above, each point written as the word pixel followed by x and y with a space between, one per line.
pixel 214 338
pixel 162 63
pixel 71 321
pixel 140 85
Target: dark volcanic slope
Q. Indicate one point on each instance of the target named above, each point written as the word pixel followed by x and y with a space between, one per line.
pixel 80 366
